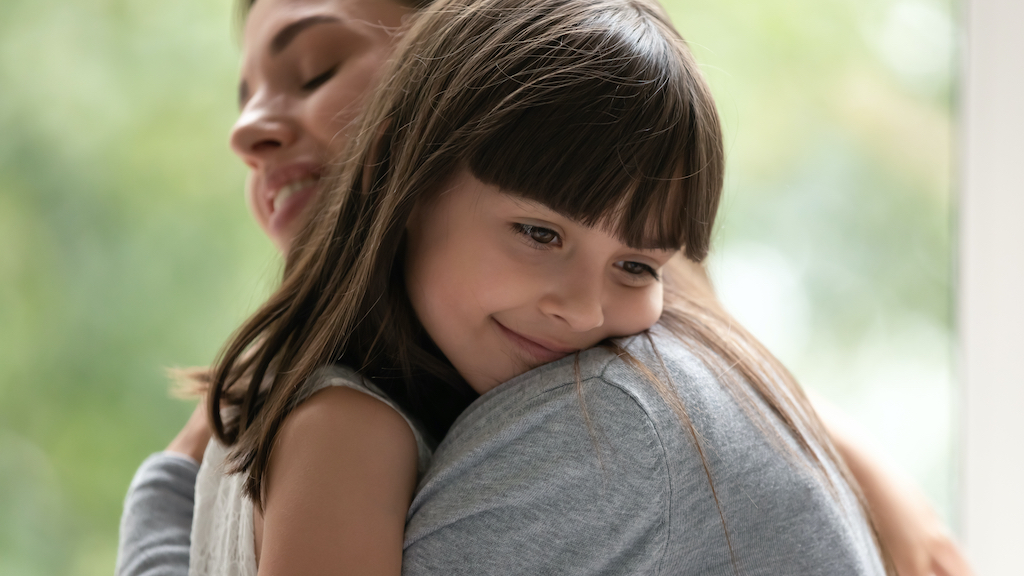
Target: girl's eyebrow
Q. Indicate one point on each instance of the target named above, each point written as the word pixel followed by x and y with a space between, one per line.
pixel 289 32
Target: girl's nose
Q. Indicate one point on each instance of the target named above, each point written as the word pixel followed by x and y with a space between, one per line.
pixel 260 133
pixel 577 302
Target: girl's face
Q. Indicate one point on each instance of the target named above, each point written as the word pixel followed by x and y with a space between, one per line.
pixel 503 284
pixel 306 66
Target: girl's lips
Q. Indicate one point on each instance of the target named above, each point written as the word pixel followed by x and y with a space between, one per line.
pixel 534 348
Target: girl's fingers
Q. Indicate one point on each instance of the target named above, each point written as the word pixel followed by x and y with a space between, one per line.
pixel 948 560
pixel 194 436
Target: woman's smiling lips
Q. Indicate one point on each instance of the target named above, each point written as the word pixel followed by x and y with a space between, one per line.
pixel 287 191
pixel 541 350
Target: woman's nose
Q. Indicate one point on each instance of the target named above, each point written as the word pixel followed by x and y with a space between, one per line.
pixel 576 300
pixel 260 132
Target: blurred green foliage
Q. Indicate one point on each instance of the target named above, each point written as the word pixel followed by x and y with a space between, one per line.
pixel 125 247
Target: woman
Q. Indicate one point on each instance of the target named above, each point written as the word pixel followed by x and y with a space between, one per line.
pixel 307 65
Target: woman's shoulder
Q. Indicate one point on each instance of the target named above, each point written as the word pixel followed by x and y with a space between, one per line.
pixel 611 384
pixel 654 419
pixel 576 473
pixel 571 394
pixel 739 478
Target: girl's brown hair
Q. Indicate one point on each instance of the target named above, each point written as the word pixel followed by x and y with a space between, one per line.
pixel 594 108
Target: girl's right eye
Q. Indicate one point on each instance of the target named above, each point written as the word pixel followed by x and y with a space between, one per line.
pixel 538 234
pixel 320 79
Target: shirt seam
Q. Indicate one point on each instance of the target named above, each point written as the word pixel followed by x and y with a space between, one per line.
pixel 667 516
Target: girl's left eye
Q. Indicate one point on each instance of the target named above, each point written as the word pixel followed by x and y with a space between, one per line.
pixel 638 269
pixel 537 234
pixel 320 79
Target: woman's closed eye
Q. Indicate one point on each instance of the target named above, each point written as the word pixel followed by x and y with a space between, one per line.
pixel 320 79
pixel 538 235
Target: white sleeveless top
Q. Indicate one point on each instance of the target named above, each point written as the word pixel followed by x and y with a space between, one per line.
pixel 222 530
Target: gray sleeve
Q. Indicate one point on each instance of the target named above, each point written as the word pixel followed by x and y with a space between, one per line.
pixel 529 486
pixel 526 482
pixel 157 518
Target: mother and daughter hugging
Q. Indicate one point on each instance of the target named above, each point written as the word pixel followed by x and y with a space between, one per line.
pixel 494 349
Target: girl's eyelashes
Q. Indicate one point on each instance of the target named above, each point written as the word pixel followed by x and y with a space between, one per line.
pixel 545 237
pixel 320 79
pixel 638 269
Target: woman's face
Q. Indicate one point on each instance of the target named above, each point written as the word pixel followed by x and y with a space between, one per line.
pixel 306 66
pixel 503 284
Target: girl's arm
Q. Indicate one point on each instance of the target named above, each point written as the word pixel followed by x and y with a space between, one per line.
pixel 338 488
pixel 919 543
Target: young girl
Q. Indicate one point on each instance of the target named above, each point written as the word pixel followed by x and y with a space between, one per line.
pixel 517 194
pixel 283 130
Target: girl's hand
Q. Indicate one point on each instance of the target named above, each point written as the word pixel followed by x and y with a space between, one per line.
pixel 194 437
pixel 910 530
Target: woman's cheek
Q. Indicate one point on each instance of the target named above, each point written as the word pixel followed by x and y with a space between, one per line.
pixel 252 191
pixel 332 113
pixel 336 109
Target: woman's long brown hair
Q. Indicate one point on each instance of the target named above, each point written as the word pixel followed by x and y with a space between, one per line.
pixel 594 108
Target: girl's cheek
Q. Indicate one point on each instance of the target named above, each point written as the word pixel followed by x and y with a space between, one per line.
pixel 503 282
pixel 657 304
pixel 648 310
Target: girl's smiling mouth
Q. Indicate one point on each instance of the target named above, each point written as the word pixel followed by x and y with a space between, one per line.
pixel 545 352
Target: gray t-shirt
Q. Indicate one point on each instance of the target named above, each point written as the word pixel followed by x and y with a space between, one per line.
pixel 527 482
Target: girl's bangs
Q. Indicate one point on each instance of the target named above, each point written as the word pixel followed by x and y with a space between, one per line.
pixel 615 140
pixel 635 192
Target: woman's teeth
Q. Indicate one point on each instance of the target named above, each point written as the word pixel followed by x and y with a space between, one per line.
pixel 286 191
